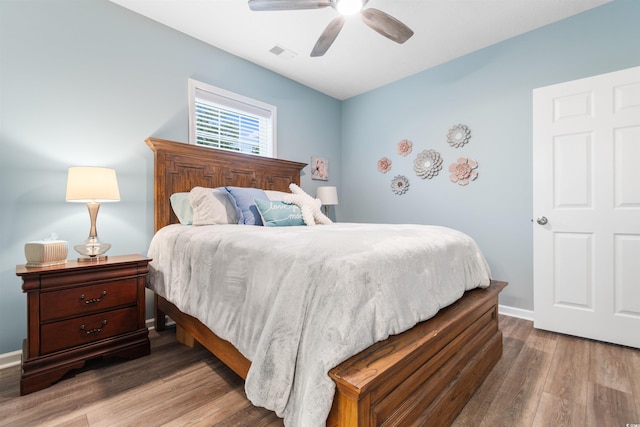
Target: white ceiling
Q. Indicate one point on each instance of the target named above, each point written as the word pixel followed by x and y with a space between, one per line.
pixel 360 59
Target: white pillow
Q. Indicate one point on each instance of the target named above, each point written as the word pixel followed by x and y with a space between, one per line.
pixel 212 206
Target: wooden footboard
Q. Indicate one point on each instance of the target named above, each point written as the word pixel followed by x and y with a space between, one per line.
pixel 423 376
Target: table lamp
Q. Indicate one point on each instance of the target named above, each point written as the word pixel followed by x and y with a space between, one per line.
pixel 328 196
pixel 92 185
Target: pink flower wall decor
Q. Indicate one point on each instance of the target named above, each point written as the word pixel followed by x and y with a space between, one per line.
pixel 384 165
pixel 404 147
pixel 463 171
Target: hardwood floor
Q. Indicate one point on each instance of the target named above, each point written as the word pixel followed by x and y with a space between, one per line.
pixel 543 379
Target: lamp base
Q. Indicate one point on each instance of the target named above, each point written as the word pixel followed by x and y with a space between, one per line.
pixel 92 250
pixel 95 259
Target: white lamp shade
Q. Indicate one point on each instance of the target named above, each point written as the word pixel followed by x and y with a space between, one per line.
pixel 327 195
pixel 92 184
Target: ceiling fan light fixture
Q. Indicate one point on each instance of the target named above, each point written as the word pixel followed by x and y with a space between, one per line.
pixel 379 21
pixel 349 7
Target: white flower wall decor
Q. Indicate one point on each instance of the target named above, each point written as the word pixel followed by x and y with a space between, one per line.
pixel 427 164
pixel 463 171
pixel 399 184
pixel 458 136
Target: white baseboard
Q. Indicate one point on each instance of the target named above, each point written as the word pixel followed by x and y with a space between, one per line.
pixel 150 323
pixel 515 312
pixel 8 360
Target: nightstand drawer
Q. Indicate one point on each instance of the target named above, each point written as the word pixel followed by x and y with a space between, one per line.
pixel 82 330
pixel 87 299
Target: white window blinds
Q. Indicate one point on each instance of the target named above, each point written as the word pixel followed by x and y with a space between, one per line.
pixel 225 120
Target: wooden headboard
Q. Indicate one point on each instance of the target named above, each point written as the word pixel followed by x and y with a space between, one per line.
pixel 178 167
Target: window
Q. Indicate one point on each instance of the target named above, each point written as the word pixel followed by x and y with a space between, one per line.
pixel 225 120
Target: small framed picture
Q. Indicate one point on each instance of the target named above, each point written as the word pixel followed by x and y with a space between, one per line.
pixel 319 168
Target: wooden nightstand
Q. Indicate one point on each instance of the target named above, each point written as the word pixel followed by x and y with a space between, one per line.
pixel 79 311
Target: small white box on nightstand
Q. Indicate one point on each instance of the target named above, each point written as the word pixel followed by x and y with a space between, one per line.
pixel 44 253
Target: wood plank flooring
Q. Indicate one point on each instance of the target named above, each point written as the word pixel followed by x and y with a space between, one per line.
pixel 543 379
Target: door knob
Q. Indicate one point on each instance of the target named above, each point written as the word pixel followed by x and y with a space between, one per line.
pixel 542 220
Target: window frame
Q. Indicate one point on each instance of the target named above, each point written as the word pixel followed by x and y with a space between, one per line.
pixel 243 105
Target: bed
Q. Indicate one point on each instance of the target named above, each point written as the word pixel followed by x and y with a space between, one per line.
pixel 421 376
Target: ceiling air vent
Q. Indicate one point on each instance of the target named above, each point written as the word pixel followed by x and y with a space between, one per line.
pixel 282 52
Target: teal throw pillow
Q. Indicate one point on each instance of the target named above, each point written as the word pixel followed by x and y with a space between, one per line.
pixel 275 213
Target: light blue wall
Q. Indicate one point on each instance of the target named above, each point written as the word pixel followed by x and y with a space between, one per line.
pixel 85 83
pixel 491 92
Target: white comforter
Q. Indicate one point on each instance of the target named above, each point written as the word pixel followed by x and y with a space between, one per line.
pixel 297 301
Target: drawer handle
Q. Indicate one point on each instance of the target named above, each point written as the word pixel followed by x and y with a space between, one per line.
pixel 93 300
pixel 94 330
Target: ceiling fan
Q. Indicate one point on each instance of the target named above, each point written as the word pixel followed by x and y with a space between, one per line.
pixel 378 20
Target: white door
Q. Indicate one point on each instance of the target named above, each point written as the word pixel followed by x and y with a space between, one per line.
pixel 586 202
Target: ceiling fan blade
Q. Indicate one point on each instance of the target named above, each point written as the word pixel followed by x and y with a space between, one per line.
pixel 328 36
pixel 262 5
pixel 386 25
